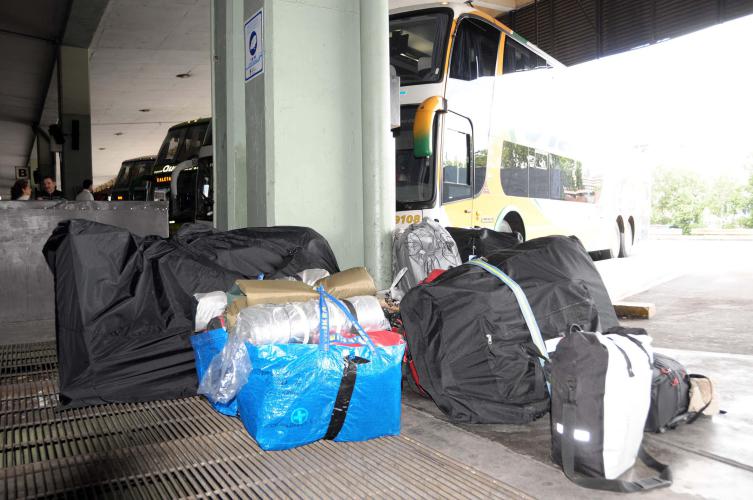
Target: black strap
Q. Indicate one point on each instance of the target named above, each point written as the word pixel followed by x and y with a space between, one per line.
pixel 568 463
pixel 344 393
pixel 635 341
pixel 627 358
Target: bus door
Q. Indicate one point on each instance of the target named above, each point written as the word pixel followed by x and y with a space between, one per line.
pixel 457 170
pixel 474 64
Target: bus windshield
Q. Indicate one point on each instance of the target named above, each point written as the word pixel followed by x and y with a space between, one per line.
pixel 414 176
pixel 181 144
pixel 417 45
pixel 124 177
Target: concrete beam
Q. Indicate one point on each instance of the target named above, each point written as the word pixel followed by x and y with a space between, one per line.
pixel 83 21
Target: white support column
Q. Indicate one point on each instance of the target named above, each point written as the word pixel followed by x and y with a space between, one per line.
pixel 378 150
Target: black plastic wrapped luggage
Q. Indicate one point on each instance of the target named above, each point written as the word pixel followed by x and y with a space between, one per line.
pixel 470 343
pixel 124 304
pixel 480 242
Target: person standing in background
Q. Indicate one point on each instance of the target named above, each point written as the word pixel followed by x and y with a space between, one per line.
pixel 86 192
pixel 50 190
pixel 21 190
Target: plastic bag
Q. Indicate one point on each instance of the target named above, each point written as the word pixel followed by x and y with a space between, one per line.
pixel 227 372
pixel 206 347
pixel 298 322
pixel 210 306
pixel 311 276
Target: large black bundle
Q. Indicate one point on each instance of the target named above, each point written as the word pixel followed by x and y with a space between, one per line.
pixel 480 241
pixel 124 306
pixel 470 343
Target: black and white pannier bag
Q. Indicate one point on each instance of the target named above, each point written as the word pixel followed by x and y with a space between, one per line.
pixel 601 391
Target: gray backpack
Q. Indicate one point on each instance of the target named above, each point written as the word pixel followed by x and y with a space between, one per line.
pixel 421 248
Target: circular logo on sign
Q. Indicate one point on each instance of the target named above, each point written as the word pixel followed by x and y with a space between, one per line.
pixel 299 416
pixel 253 42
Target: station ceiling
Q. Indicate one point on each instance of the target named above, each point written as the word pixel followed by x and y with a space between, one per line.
pixel 575 31
pixel 28 45
pixel 135 55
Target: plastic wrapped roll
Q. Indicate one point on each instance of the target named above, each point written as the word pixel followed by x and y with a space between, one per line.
pixel 298 322
pixel 369 312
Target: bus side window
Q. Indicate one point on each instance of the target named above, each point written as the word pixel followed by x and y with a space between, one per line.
pixel 515 167
pixel 538 175
pixel 474 52
pixel 520 58
pixel 457 168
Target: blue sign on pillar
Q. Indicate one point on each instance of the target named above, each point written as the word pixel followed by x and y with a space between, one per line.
pixel 253 32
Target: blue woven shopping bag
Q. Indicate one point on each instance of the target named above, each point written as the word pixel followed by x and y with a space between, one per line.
pixel 342 389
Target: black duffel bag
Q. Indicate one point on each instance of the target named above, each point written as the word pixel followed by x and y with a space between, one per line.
pixel 480 242
pixel 471 346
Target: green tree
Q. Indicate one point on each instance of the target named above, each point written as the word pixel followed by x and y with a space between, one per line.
pixel 725 198
pixel 678 198
pixel 746 204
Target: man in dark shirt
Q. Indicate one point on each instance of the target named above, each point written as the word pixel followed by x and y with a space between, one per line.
pixel 50 190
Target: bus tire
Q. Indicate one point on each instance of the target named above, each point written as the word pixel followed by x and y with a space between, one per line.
pixel 513 223
pixel 504 227
pixel 616 247
pixel 626 241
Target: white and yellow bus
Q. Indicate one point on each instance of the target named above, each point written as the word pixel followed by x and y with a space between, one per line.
pixel 484 141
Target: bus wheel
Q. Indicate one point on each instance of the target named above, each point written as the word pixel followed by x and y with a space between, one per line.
pixel 626 242
pixel 504 227
pixel 513 223
pixel 616 249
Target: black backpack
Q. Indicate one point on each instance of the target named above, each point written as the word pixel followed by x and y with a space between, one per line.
pixel 669 394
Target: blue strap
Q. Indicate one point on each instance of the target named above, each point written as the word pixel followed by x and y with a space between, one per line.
pixel 324 316
pixel 323 323
pixel 525 307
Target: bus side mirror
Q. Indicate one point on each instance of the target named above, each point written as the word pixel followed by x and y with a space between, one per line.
pixel 394 99
pixel 423 125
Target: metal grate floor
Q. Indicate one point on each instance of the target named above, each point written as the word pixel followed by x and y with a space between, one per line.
pixel 184 449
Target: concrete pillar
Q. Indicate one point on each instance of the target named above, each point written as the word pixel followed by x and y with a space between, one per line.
pixel 229 114
pixel 302 155
pixel 303 122
pixel 73 98
pixel 378 151
pixel 45 158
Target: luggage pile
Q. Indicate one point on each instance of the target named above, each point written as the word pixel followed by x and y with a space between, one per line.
pixel 529 329
pixel 303 359
pixel 276 334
